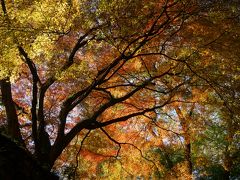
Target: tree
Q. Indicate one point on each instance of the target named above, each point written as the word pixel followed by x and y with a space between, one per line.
pixel 214 44
pixel 72 68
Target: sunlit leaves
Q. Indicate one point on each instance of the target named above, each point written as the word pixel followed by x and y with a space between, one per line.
pixel 10 63
pixel 150 76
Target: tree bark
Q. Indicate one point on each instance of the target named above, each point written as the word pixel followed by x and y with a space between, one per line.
pixel 13 129
pixel 17 163
pixel 187 141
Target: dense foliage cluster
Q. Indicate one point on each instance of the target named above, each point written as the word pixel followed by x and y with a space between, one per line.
pixel 113 89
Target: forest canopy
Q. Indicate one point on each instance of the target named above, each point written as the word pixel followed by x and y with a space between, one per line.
pixel 117 89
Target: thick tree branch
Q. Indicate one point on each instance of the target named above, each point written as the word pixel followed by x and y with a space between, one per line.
pixel 75 99
pixel 125 118
pixel 91 123
pixel 30 64
pixel 128 53
pixel 4 7
pixel 12 119
pixel 36 80
pixel 80 43
pixel 34 73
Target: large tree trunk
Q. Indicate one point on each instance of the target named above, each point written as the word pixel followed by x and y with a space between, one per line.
pixel 17 163
pixel 12 119
pixel 184 121
pixel 187 153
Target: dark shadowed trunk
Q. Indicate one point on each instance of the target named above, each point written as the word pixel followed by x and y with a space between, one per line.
pixel 17 163
pixel 12 119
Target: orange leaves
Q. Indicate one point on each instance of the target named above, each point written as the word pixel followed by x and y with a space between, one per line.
pixel 94 157
pixel 141 60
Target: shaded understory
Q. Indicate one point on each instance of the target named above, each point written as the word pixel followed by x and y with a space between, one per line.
pixel 16 163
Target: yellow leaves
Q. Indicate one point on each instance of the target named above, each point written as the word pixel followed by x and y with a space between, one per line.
pixel 35 26
pixel 42 44
pixel 180 172
pixel 72 73
pixel 9 63
pixel 29 20
pixel 53 14
pixel 137 65
pixel 184 52
pixel 42 14
pixel 117 93
pixel 110 170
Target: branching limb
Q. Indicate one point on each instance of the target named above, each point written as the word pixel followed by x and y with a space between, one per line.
pixel 165 129
pixel 67 107
pixel 130 144
pixel 91 123
pixel 12 118
pixel 35 80
pixel 77 155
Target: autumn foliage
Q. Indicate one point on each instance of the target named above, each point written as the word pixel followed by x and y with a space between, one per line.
pixel 123 89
